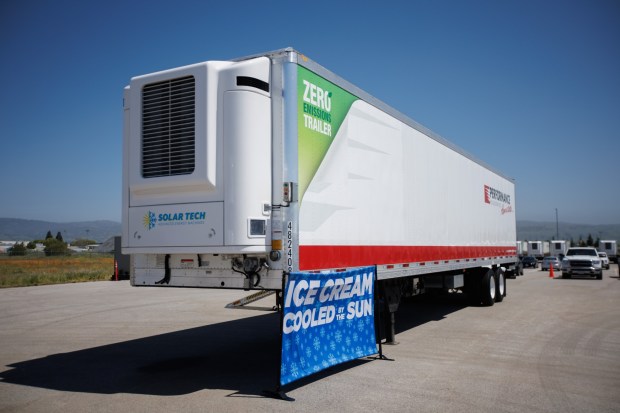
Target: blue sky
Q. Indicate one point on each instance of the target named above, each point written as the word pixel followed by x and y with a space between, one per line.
pixel 530 87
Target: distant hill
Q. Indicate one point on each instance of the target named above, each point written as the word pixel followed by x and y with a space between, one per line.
pixel 13 229
pixel 26 230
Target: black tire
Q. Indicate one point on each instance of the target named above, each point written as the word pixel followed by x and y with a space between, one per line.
pixel 599 276
pixel 500 285
pixel 487 288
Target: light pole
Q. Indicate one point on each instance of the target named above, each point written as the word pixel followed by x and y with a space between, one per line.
pixel 557 227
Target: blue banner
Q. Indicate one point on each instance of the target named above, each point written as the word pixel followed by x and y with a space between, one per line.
pixel 328 320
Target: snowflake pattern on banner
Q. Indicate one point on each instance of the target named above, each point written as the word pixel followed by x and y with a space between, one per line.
pixel 333 328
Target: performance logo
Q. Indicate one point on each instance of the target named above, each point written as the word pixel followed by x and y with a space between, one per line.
pixel 496 197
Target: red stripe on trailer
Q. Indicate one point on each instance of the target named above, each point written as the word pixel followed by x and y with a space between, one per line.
pixel 338 256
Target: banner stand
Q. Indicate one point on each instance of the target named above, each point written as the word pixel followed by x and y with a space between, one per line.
pixel 378 303
pixel 279 393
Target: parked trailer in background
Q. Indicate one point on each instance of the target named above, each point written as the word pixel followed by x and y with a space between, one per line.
pixel 610 247
pixel 239 173
pixel 558 248
pixel 521 248
pixel 535 249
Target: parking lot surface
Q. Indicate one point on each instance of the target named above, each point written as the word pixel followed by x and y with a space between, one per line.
pixel 552 346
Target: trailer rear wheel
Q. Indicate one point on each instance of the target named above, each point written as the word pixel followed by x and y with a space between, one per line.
pixel 500 285
pixel 487 288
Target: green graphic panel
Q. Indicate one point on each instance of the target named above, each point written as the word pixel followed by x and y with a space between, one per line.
pixel 321 109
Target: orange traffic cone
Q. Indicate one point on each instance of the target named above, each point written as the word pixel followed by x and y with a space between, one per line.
pixel 551 275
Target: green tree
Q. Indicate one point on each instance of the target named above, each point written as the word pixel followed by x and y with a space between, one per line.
pixel 49 235
pixel 590 241
pixel 59 237
pixel 55 247
pixel 31 245
pixel 18 249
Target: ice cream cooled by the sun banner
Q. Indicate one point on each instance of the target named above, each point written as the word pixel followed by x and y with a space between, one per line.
pixel 328 319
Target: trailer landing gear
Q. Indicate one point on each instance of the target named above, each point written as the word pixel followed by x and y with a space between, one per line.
pixel 391 292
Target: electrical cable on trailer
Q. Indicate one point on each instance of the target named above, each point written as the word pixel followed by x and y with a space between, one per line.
pixel 166 279
pixel 251 269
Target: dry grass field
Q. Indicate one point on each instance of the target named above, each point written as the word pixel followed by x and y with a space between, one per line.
pixel 41 270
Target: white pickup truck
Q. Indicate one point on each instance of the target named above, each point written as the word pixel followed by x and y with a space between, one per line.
pixel 582 261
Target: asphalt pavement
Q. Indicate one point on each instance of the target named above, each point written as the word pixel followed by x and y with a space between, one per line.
pixel 552 345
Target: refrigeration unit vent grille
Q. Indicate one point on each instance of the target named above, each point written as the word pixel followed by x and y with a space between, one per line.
pixel 168 127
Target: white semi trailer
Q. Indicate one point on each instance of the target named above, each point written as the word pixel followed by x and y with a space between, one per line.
pixel 558 248
pixel 237 173
pixel 536 249
pixel 610 248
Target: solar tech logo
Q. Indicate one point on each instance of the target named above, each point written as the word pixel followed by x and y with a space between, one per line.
pixel 149 220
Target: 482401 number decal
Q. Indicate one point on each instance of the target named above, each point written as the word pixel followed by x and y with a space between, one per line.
pixel 289 246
